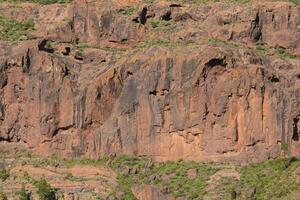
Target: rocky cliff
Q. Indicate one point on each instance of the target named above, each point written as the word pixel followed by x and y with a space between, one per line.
pixel 170 80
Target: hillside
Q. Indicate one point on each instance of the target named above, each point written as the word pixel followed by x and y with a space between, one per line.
pixel 190 84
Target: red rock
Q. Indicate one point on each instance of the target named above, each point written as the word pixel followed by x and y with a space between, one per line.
pixel 211 101
pixel 147 192
pixel 192 173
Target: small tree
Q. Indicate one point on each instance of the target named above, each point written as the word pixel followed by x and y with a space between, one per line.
pixel 3 196
pixel 4 174
pixel 44 190
pixel 23 195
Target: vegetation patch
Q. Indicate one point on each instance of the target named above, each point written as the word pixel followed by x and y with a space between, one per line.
pixel 148 1
pixel 284 54
pixel 13 30
pixel 70 177
pixel 274 179
pixel 269 180
pixel 3 196
pixel 218 42
pixel 177 181
pixel 210 1
pixel 23 194
pixel 297 2
pixel 44 190
pixel 172 176
pixel 263 49
pixel 82 47
pixel 55 161
pixel 129 10
pixel 44 2
pixel 155 23
pixel 154 42
pixel 165 43
pixel 4 174
pixel 226 188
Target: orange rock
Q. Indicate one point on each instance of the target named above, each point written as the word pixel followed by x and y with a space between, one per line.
pixel 215 100
pixel 147 192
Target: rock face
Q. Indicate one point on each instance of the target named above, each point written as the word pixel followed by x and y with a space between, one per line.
pixel 146 192
pixel 213 100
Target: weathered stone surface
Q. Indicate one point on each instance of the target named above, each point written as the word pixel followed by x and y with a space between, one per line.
pixel 207 102
pixel 147 192
pixel 192 173
pixel 163 106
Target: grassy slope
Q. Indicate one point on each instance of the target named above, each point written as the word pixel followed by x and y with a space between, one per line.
pixel 12 30
pixel 272 180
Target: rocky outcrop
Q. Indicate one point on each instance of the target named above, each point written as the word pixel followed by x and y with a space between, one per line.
pixel 146 192
pixel 201 102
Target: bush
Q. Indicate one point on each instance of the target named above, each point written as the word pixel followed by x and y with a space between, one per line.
pixel 4 174
pixel 44 190
pixel 260 48
pixel 23 195
pixel 160 23
pixel 3 196
pixel 273 179
pixel 69 176
pixel 135 171
pixel 148 1
pixel 13 30
pixel 129 10
pixel 297 2
pixel 284 54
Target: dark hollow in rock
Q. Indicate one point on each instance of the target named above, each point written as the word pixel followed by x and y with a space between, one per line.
pixel 256 29
pixel 143 16
pixel 274 79
pixel 216 62
pixel 175 5
pixel 78 55
pixel 295 129
pixel 42 47
pixel 67 51
pixel 167 16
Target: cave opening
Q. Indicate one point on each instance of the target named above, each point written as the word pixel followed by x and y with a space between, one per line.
pixel 295 129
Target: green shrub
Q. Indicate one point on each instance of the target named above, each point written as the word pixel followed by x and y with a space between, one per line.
pixel 44 190
pixel 272 179
pixel 165 43
pixel 99 197
pixel 129 10
pixel 13 30
pixel 4 174
pixel 284 54
pixel 260 48
pixel 297 2
pixel 69 176
pixel 3 196
pixel 285 147
pixel 218 42
pixel 23 195
pixel 160 23
pixel 85 161
pixel 154 42
pixel 263 49
pixel 148 1
pixel 143 172
pixel 48 44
